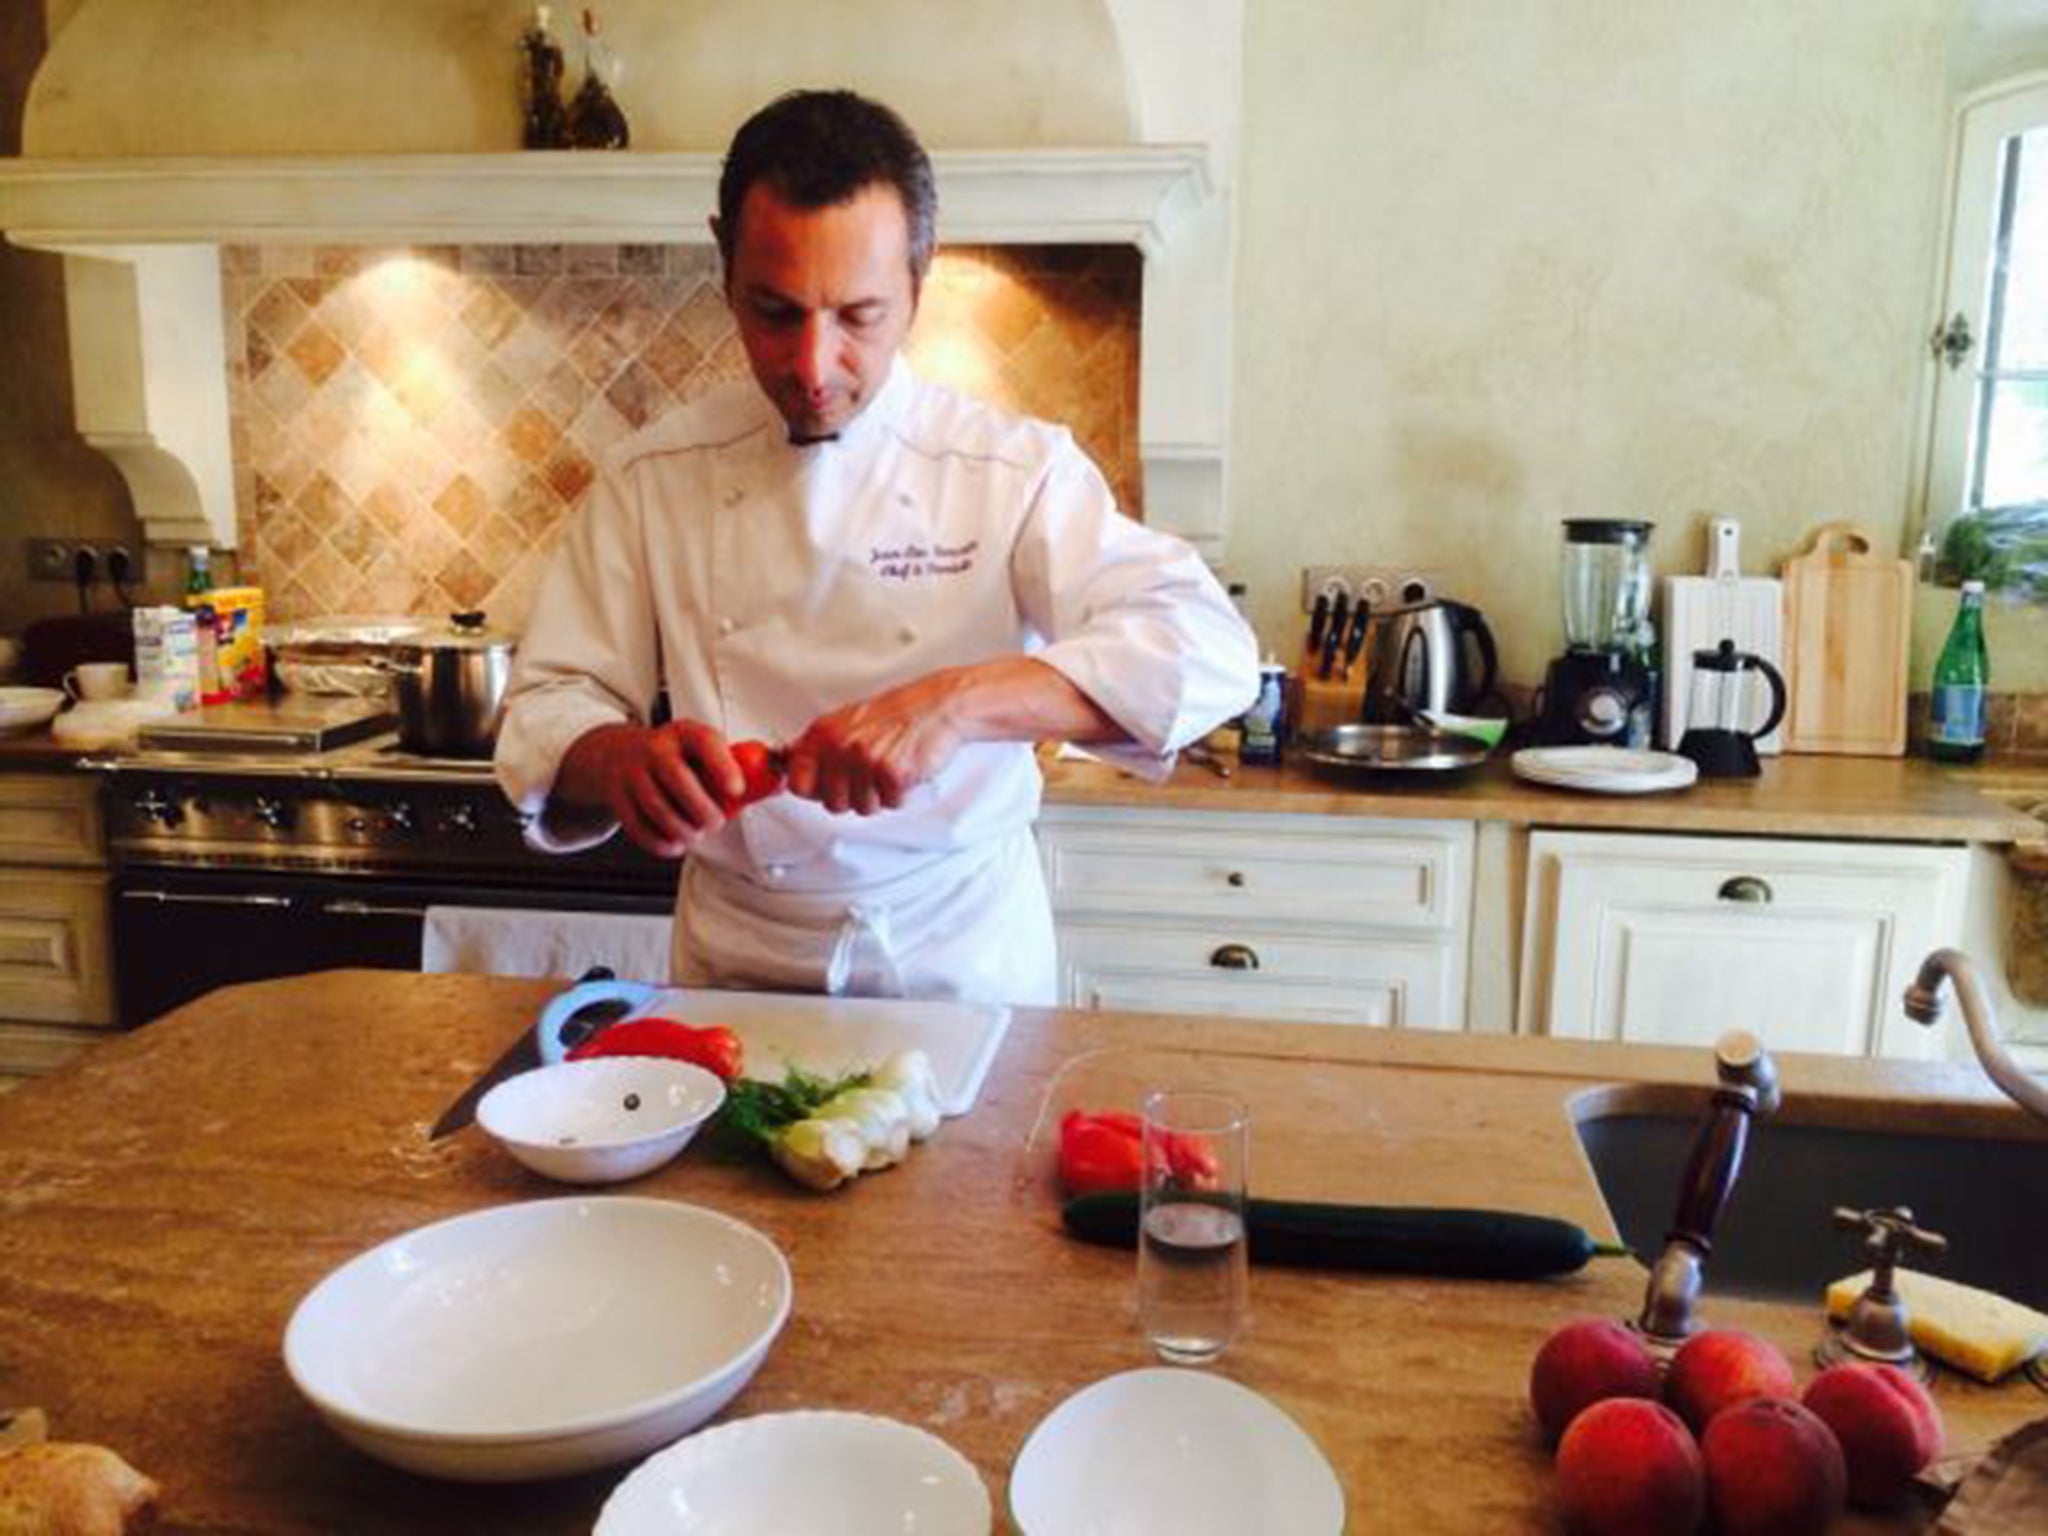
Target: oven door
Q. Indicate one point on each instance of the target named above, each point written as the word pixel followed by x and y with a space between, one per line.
pixel 180 933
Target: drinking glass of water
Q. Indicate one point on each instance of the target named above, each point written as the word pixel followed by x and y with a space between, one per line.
pixel 1192 1264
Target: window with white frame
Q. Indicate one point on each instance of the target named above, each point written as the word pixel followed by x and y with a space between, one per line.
pixel 1988 465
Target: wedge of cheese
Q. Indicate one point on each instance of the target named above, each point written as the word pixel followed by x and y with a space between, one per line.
pixel 1973 1330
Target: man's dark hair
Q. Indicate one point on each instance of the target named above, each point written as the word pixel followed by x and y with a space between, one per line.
pixel 816 149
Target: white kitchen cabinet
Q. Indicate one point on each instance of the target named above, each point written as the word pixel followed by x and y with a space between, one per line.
pixel 1677 939
pixel 1332 919
pixel 56 961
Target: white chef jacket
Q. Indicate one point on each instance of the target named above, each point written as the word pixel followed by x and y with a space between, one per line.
pixel 765 583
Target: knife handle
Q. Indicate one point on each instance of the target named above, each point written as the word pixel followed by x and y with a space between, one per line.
pixel 1355 641
pixel 1318 616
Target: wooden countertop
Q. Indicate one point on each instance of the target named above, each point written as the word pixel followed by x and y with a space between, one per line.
pixel 170 1197
pixel 1904 799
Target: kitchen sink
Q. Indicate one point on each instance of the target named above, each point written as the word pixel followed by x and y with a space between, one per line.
pixel 1986 1193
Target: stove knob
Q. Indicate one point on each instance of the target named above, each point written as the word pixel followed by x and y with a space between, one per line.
pixel 357 826
pixel 463 818
pixel 154 805
pixel 273 813
pixel 398 817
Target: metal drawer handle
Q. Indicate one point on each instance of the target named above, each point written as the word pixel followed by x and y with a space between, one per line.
pixel 353 908
pixel 1746 888
pixel 1234 957
pixel 186 899
pixel 1235 877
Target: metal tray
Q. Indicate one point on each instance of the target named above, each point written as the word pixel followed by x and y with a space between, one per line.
pixel 1391 749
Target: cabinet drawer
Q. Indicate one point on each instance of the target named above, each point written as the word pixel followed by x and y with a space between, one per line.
pixel 55 961
pixel 1676 939
pixel 1399 979
pixel 48 818
pixel 1325 872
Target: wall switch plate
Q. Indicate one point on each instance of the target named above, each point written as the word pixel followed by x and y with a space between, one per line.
pixel 1382 586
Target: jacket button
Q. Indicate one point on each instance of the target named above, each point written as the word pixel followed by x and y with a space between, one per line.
pixel 726 626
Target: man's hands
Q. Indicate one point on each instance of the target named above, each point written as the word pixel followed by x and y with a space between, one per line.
pixel 867 756
pixel 669 785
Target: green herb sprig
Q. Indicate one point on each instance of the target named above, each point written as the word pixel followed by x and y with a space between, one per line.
pixel 756 1112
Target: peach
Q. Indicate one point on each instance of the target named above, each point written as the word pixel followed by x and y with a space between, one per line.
pixel 1773 1469
pixel 1888 1427
pixel 1723 1366
pixel 1583 1363
pixel 1629 1465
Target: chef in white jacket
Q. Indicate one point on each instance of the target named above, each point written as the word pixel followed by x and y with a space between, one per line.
pixel 900 587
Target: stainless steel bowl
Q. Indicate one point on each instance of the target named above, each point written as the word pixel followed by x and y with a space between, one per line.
pixel 1391 749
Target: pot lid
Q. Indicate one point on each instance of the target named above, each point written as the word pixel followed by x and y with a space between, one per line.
pixel 463 632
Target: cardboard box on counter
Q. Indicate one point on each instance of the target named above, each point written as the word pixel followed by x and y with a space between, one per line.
pixel 234 617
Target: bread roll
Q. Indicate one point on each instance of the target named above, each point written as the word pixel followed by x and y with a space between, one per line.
pixel 55 1489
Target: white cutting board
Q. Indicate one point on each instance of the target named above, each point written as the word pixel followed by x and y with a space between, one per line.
pixel 1702 611
pixel 836 1035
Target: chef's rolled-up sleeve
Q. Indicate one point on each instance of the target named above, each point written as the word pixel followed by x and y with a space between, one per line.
pixel 1131 616
pixel 589 657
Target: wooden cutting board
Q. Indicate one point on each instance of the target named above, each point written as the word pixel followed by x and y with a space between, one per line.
pixel 1848 626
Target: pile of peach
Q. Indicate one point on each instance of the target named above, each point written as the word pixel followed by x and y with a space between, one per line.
pixel 1725 1435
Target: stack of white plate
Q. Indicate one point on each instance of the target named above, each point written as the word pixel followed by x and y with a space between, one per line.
pixel 1605 770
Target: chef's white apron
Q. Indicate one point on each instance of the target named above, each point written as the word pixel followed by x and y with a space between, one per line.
pixel 974 925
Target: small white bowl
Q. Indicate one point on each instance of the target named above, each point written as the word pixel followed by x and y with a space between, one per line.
pixel 603 1119
pixel 540 1339
pixel 1172 1450
pixel 24 709
pixel 848 1473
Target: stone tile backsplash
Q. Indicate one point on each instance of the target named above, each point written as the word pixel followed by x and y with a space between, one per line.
pixel 411 426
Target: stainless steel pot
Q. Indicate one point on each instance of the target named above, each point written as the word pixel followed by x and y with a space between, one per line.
pixel 449 686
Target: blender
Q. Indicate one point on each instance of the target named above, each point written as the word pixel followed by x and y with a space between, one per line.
pixel 1602 689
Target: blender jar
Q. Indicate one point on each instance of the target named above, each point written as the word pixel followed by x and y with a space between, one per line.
pixel 1606 582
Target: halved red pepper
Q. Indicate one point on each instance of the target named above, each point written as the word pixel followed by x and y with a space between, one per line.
pixel 1105 1151
pixel 713 1047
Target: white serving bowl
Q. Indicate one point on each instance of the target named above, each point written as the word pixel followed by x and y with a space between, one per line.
pixel 24 709
pixel 603 1119
pixel 847 1473
pixel 540 1339
pixel 1172 1450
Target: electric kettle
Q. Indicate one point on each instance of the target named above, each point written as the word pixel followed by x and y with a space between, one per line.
pixel 1438 655
pixel 1715 735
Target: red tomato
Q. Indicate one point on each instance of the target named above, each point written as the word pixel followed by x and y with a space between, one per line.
pixel 716 1048
pixel 1106 1152
pixel 758 765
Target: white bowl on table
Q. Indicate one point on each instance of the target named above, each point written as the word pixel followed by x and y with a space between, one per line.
pixel 851 1474
pixel 541 1339
pixel 603 1119
pixel 1172 1449
pixel 25 709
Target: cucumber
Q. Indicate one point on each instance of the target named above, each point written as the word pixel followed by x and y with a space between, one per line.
pixel 1418 1240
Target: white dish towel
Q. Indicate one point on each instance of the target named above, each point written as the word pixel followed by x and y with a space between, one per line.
pixel 511 941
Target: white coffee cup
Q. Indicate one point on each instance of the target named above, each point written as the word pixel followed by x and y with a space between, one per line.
pixel 97 680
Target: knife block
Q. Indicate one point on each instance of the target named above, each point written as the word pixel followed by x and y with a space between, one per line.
pixel 1319 705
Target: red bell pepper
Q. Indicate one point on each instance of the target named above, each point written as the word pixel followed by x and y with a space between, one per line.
pixel 761 766
pixel 714 1048
pixel 1104 1152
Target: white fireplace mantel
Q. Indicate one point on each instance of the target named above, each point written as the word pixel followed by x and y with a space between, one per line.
pixel 140 239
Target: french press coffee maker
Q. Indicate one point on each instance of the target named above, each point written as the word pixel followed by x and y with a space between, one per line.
pixel 1721 700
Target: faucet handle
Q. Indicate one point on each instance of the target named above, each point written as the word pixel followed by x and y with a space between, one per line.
pixel 1741 1061
pixel 1877 1325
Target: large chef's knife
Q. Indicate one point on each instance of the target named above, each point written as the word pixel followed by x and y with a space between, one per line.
pixel 1333 639
pixel 524 1053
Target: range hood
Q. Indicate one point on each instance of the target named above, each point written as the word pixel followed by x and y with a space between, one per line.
pixel 155 134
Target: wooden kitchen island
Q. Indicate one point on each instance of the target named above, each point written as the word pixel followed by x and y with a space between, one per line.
pixel 170 1197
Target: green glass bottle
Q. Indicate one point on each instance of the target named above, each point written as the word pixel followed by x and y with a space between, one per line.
pixel 1955 722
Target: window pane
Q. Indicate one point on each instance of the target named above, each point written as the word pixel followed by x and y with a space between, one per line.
pixel 2023 328
pixel 2016 456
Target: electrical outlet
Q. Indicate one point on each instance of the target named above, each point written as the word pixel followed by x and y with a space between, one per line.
pixel 1382 586
pixel 57 559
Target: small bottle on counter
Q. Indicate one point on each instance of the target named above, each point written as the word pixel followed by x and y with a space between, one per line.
pixel 595 118
pixel 546 120
pixel 1962 680
pixel 1262 728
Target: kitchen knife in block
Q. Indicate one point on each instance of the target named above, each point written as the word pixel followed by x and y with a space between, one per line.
pixel 1848 623
pixel 1702 611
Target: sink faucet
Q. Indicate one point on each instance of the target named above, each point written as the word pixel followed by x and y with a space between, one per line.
pixel 1748 1088
pixel 1923 1006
